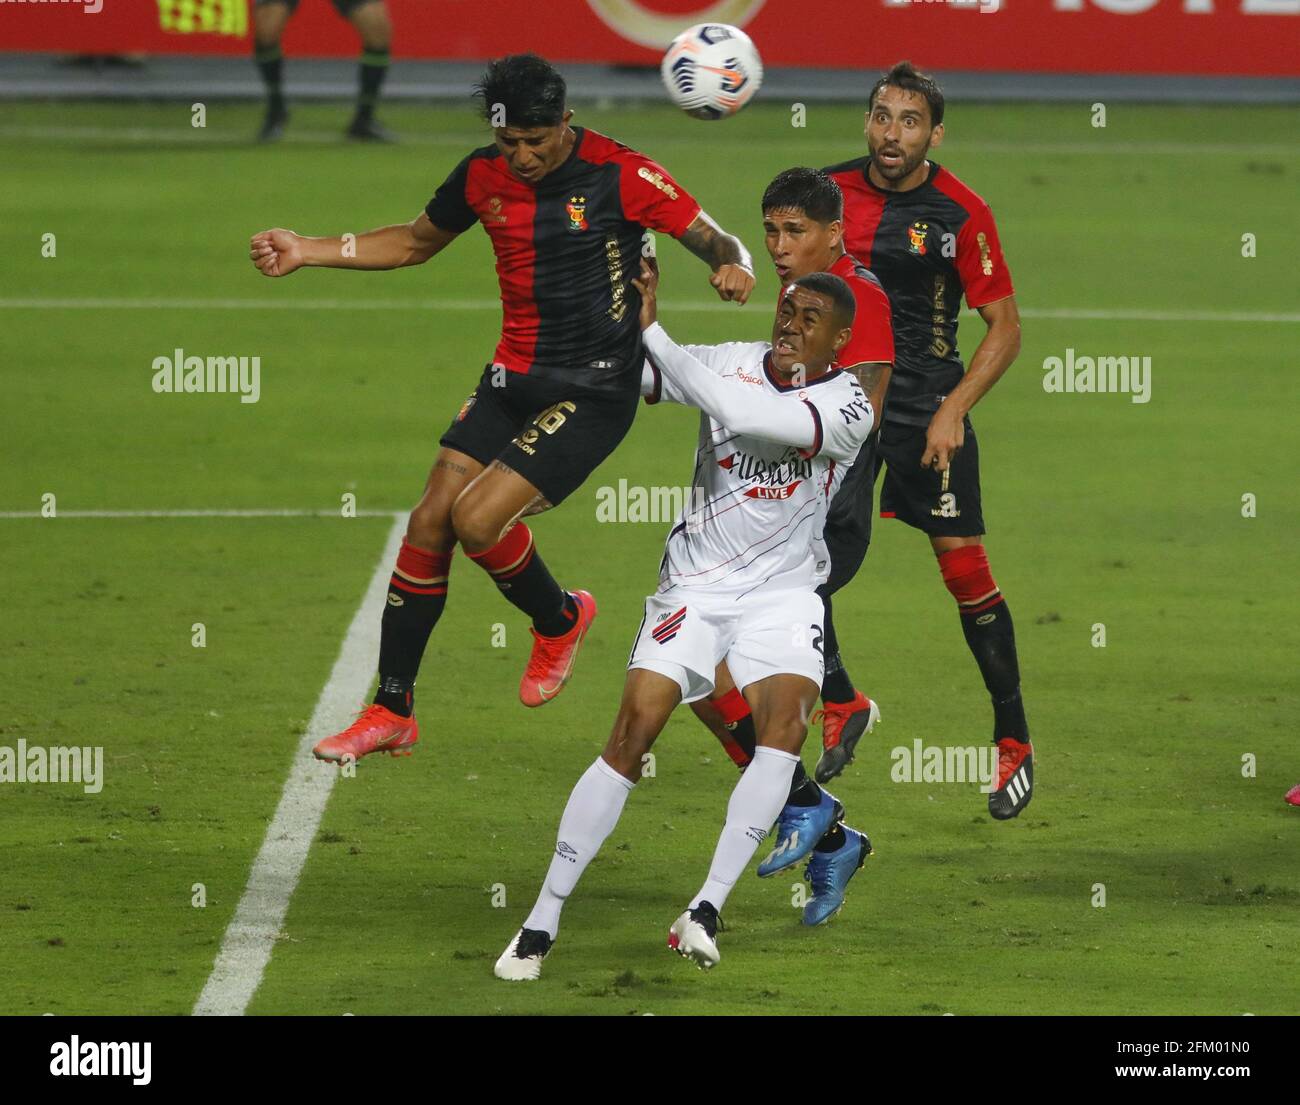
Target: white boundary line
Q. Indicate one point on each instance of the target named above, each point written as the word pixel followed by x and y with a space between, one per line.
pixel 246 946
pixel 1101 314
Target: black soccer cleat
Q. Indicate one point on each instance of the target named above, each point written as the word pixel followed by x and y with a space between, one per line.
pixel 522 959
pixel 365 129
pixel 1015 779
pixel 273 125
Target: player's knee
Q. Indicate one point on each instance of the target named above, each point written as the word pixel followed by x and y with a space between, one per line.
pixel 429 528
pixel 473 528
pixel 785 731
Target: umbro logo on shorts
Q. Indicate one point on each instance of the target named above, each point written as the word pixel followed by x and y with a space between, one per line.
pixel 669 626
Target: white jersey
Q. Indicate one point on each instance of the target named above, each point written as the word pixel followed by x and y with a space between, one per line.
pixel 769 460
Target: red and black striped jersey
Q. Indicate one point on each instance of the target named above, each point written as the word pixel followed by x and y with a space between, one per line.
pixel 567 250
pixel 928 246
pixel 873 331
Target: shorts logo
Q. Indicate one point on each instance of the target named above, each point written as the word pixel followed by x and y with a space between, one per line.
pixel 669 626
pixel 916 238
pixel 577 209
pixel 464 410
pixel 947 506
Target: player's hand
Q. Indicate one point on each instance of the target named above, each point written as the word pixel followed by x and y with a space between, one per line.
pixel 276 252
pixel 648 286
pixel 733 282
pixel 943 438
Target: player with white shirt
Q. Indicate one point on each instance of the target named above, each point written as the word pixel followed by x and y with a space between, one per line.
pixel 779 428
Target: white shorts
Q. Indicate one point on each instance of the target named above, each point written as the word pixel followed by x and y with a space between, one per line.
pixel 686 633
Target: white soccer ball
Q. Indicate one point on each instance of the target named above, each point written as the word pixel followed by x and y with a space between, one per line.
pixel 712 70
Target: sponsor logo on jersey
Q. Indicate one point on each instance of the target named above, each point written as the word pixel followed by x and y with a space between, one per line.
pixel 772 492
pixel 494 211
pixel 657 179
pixel 745 378
pixel 986 260
pixel 669 626
pixel 790 469
pixel 577 209
pixel 916 238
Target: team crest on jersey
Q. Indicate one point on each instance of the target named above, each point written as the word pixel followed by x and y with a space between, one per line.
pixel 669 626
pixel 916 238
pixel 577 209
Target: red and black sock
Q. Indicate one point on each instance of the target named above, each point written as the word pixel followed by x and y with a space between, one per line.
pixel 836 685
pixel 417 593
pixel 740 723
pixel 990 635
pixel 522 576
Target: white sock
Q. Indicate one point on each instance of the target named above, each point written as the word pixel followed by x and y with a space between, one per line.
pixel 593 811
pixel 755 803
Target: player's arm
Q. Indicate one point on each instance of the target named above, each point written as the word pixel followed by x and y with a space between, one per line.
pixel 738 406
pixel 1000 346
pixel 279 252
pixel 725 254
pixel 873 378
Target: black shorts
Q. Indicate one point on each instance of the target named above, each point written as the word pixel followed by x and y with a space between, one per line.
pixel 941 504
pixel 343 7
pixel 554 439
pixel 848 521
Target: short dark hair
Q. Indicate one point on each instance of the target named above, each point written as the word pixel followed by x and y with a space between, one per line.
pixel 529 87
pixel 909 78
pixel 828 284
pixel 808 190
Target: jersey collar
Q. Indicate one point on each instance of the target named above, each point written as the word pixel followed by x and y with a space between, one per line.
pixel 935 170
pixel 775 380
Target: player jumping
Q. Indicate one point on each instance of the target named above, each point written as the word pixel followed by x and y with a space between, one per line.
pixel 930 240
pixel 369 17
pixel 803 224
pixel 567 210
pixel 737 582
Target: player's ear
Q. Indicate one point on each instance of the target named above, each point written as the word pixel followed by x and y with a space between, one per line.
pixel 936 136
pixel 568 114
pixel 836 228
pixel 842 339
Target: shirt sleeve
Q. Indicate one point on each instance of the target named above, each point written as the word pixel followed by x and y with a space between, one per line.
pixel 873 328
pixel 659 388
pixel 652 198
pixel 744 410
pixel 980 263
pixel 844 419
pixel 449 209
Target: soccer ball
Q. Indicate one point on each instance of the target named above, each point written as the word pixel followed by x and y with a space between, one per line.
pixel 712 70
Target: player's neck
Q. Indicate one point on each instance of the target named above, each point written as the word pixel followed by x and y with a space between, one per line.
pixel 914 179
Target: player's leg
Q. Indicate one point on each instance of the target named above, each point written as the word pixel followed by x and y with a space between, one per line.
pixel 370 18
pixel 590 815
pixel 946 507
pixel 417 594
pixel 545 461
pixel 269 19
pixel 672 659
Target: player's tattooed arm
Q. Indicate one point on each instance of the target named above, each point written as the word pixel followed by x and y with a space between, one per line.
pixel 873 378
pixel 725 254
pixel 992 358
pixel 279 252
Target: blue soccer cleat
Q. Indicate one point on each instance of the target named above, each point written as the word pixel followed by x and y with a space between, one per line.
pixel 798 830
pixel 830 872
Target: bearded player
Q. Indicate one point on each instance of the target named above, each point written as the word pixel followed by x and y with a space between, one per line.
pixel 737 582
pixel 930 240
pixel 803 229
pixel 567 210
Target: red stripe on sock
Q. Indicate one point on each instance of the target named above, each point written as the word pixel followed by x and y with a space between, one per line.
pixel 966 574
pixel 400 584
pixel 732 706
pixel 422 563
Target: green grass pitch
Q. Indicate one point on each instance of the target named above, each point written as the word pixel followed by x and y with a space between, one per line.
pixel 1100 510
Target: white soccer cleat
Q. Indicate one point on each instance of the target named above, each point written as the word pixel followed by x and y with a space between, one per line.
pixel 522 959
pixel 692 936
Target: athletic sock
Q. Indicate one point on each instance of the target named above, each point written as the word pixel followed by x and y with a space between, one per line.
pixel 417 593
pixel 270 63
pixel 589 817
pixel 374 68
pixel 736 715
pixel 836 685
pixel 755 803
pixel 833 841
pixel 990 635
pixel 522 576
